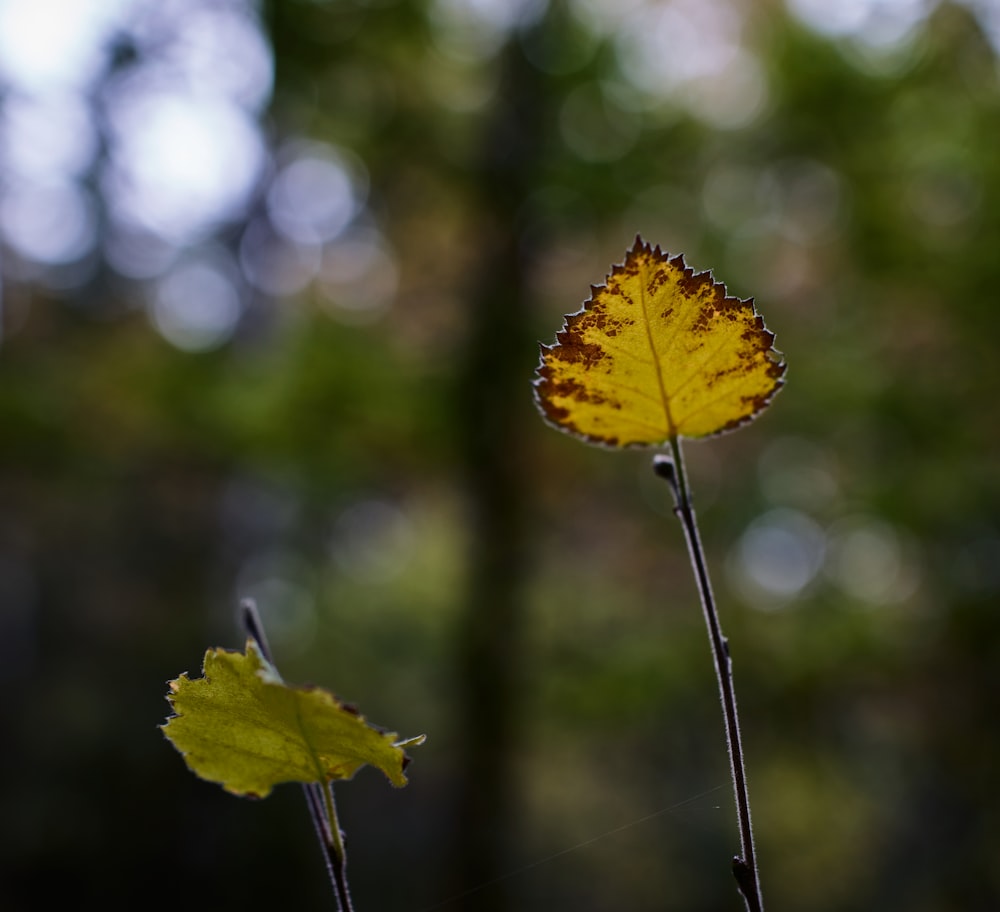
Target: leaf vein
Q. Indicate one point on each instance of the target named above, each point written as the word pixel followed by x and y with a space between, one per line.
pixel 610 384
pixel 701 366
pixel 707 405
pixel 656 360
pixel 628 353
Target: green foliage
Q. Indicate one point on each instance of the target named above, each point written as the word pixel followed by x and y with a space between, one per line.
pixel 240 725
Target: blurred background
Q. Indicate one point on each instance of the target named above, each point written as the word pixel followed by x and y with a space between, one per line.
pixel 273 279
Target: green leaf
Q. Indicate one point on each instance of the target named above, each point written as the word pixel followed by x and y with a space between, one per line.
pixel 241 726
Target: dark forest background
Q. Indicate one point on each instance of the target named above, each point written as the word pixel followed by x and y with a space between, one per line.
pixel 273 279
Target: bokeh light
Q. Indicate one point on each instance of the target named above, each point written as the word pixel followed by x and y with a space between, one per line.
pixel 273 264
pixel 49 223
pixel 778 556
pixel 693 53
pixel 196 305
pixel 868 560
pixel 878 22
pixel 47 135
pixel 53 45
pixel 181 164
pixel 155 105
pixel 359 277
pixel 316 193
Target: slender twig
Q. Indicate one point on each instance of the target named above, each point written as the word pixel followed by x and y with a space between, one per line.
pixel 324 833
pixel 745 870
pixel 253 627
pixel 335 845
pixel 319 798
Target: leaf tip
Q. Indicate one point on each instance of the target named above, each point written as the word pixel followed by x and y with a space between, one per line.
pixel 411 742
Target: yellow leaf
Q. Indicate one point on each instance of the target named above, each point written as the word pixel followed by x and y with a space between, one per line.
pixel 657 352
pixel 241 726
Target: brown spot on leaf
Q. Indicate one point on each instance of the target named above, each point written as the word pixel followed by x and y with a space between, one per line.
pixel 569 388
pixel 555 413
pixel 690 285
pixel 757 333
pixel 656 282
pixel 573 350
pixel 595 317
pixel 703 322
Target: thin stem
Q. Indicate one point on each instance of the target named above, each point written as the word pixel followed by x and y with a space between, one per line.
pixel 745 864
pixel 335 843
pixel 319 799
pixel 253 627
pixel 314 800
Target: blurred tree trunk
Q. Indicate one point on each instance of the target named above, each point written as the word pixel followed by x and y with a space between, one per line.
pixel 494 409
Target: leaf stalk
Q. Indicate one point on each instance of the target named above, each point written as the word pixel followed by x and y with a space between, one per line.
pixel 335 843
pixel 671 469
pixel 319 798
